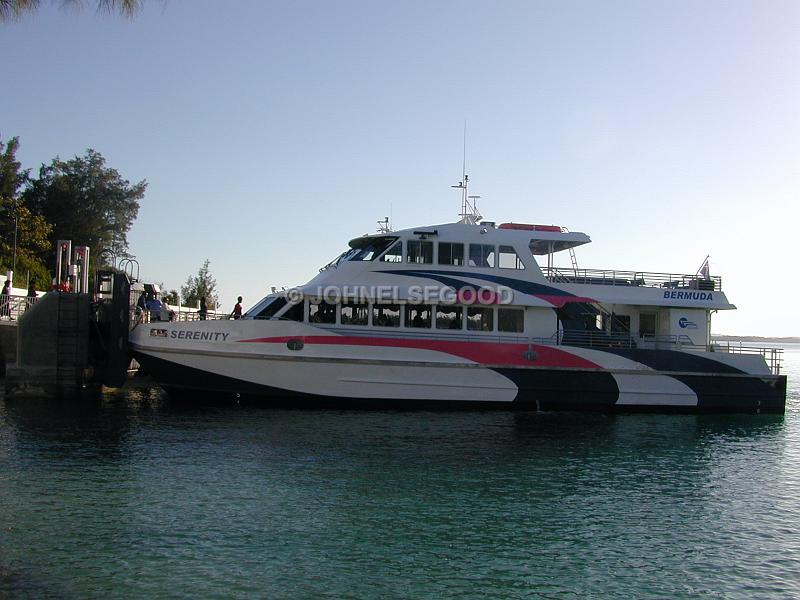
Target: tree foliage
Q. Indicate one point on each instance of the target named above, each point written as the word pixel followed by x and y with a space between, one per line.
pixel 86 202
pixel 203 284
pixel 81 200
pixel 14 9
pixel 32 243
pixel 12 176
pixel 17 221
pixel 170 297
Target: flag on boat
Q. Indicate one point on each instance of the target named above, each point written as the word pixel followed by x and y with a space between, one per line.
pixel 704 270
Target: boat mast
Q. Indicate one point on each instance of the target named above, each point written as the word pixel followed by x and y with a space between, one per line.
pixel 469 204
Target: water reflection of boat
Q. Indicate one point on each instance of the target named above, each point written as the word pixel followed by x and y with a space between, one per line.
pixel 463 312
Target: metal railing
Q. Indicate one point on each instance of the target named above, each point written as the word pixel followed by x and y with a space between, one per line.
pixel 632 278
pixel 773 356
pixel 184 315
pixel 589 339
pixel 13 307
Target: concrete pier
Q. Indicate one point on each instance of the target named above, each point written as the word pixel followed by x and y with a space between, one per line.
pixel 8 345
pixel 52 350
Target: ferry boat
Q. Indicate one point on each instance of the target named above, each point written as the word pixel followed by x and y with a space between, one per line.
pixel 464 313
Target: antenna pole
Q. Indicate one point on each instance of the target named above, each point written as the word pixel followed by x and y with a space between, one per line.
pixel 464 161
pixel 469 211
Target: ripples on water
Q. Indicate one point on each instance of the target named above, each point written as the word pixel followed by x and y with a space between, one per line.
pixel 133 496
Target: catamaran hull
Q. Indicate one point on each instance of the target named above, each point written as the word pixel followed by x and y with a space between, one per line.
pixel 377 382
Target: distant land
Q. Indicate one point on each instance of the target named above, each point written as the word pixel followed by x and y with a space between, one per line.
pixel 755 338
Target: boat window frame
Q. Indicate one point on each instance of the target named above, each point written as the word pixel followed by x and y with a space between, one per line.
pixel 422 244
pixel 355 305
pixel 482 257
pixel 458 320
pixel 507 309
pixel 519 265
pixel 383 256
pixel 451 246
pixel 319 303
pixel 292 306
pixel 408 322
pixel 484 310
pixel 375 306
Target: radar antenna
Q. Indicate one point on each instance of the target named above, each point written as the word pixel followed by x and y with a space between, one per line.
pixel 469 204
pixel 384 226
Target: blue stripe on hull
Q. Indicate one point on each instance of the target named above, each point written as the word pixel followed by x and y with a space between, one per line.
pixel 560 390
pixel 717 393
pixel 673 360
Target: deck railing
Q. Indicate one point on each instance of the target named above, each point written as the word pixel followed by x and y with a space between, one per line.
pixel 139 316
pixel 773 356
pixel 632 278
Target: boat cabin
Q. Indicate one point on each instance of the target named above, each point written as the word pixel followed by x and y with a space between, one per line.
pixel 464 279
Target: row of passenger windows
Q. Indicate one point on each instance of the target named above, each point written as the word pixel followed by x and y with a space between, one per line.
pixel 452 253
pixel 421 316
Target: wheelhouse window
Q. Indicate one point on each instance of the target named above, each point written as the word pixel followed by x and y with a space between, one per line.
pixel 509 259
pixel 394 254
pixel 451 254
pixel 386 315
pixel 354 313
pixel 481 255
pixel 371 248
pixel 322 312
pixel 418 315
pixel 480 318
pixel 419 252
pixel 448 317
pixel 510 320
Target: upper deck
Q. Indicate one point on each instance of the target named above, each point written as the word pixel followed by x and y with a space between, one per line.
pixel 485 255
pixel 611 277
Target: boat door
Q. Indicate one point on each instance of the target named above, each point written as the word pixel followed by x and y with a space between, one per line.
pixel 648 324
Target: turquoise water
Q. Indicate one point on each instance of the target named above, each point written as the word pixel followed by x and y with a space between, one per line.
pixel 132 496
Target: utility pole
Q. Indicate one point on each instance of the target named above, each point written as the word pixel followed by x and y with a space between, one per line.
pixel 14 261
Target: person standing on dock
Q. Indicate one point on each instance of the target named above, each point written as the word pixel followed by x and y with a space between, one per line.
pixel 237 310
pixel 30 300
pixel 203 308
pixel 141 306
pixel 5 296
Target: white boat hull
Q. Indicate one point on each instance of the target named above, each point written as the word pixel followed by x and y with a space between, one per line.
pixel 295 363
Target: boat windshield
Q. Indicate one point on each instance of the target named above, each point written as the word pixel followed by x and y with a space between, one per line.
pixel 366 248
pixel 335 262
pixel 371 248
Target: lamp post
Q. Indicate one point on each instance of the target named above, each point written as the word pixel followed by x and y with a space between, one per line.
pixel 14 260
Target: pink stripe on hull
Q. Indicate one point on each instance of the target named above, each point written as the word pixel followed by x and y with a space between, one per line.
pixel 485 353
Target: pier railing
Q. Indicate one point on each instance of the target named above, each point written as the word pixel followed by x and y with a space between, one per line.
pixel 13 307
pixel 632 278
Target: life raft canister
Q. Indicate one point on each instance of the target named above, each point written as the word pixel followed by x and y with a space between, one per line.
pixel 529 227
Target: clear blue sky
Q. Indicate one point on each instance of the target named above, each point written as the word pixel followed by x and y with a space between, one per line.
pixel 272 132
